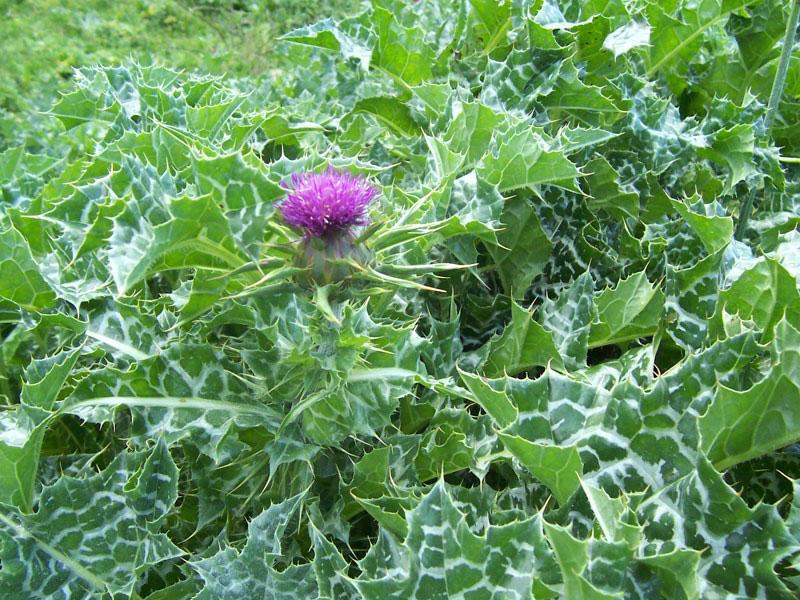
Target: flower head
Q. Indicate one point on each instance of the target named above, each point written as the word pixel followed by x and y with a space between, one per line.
pixel 324 204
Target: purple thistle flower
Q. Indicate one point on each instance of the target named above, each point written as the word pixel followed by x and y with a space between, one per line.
pixel 324 204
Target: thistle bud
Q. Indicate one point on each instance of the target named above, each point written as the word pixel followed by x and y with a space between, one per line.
pixel 323 257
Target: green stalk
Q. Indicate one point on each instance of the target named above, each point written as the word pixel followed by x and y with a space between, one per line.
pixel 5 382
pixel 783 66
pixel 778 84
pixel 744 214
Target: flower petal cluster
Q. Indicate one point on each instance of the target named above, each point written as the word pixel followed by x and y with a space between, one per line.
pixel 327 203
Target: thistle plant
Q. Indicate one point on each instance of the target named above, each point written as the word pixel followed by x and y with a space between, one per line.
pixel 215 386
pixel 339 243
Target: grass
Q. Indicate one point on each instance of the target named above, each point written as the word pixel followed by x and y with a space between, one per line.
pixel 43 40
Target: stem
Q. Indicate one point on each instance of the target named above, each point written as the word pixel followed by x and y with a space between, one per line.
pixel 783 66
pixel 744 214
pixel 772 106
pixel 5 383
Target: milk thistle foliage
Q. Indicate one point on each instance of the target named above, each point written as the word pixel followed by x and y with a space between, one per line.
pixel 523 339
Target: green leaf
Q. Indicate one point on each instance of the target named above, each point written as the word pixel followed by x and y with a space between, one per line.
pixel 576 559
pixel 196 234
pixel 390 112
pixel 529 70
pixel 674 39
pixel 522 249
pixel 163 147
pixel 715 231
pixel 627 438
pixel 330 568
pixel 558 467
pixel 22 430
pixel 494 402
pixel 740 425
pixel 631 310
pixel 607 193
pixel 456 441
pixel 518 157
pixel 569 319
pixel 241 186
pixel 207 288
pixel 341 397
pixel 401 51
pixel 756 44
pixel 441 557
pixel 613 516
pixel 495 21
pixel 574 139
pixel 185 393
pixel 208 120
pixel 154 488
pixel 584 103
pixel 124 331
pixel 446 162
pixel 82 106
pixel 523 344
pixel 734 148
pixel 478 206
pixel 701 512
pixel 326 34
pixel 360 407
pixel 762 294
pixel 691 298
pixel 622 40
pixel 94 535
pixel 743 425
pixel 20 278
pixel 230 573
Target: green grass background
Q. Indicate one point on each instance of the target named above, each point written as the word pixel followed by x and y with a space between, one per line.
pixel 43 40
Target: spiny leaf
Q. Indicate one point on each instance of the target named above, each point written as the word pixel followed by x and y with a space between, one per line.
pixel 443 557
pixel 91 535
pixel 20 278
pixel 230 573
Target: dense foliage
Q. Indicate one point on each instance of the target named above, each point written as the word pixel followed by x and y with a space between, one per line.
pixel 547 367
